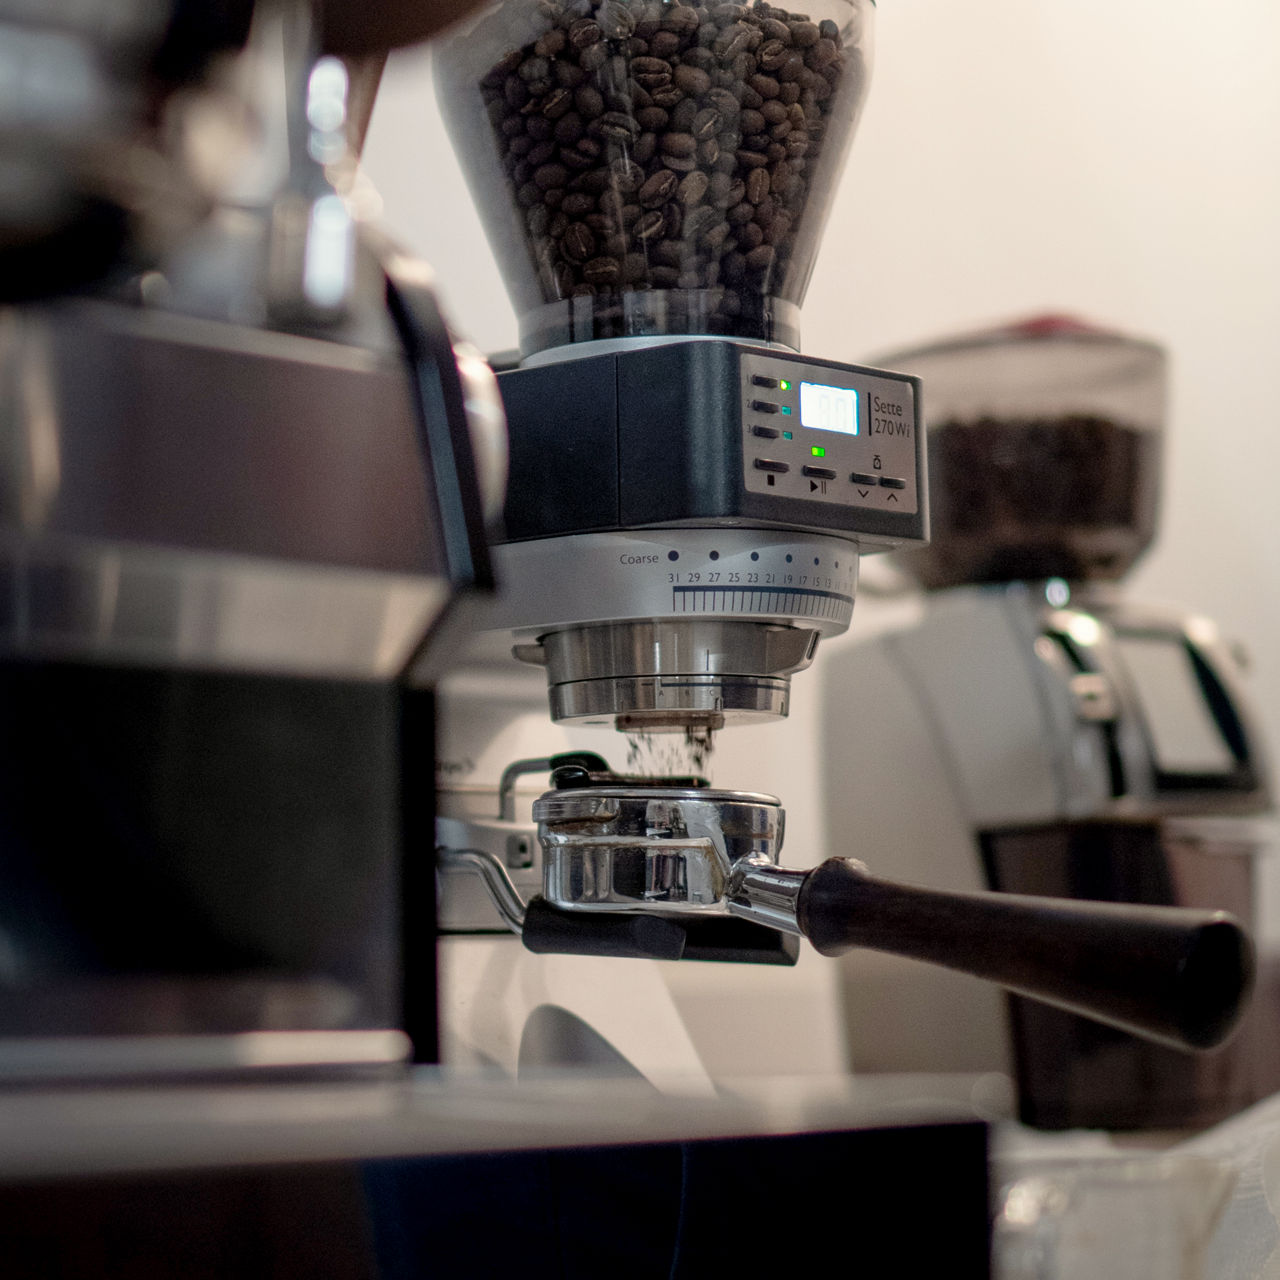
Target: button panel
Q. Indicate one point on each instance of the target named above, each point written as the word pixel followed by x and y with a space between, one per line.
pixel 829 433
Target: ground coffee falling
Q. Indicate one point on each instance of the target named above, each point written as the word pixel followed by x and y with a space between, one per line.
pixel 661 755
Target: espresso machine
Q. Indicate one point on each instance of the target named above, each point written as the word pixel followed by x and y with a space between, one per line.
pixel 689 497
pixel 246 473
pixel 1072 739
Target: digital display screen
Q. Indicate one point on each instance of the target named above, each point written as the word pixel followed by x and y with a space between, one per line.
pixel 829 408
pixel 1185 736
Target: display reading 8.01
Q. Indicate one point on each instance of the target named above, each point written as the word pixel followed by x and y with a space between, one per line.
pixel 829 408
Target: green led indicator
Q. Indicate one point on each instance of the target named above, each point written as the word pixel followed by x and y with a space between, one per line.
pixel 786 435
pixel 786 408
pixel 818 452
pixel 785 385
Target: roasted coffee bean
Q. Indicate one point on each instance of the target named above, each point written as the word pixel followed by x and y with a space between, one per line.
pixel 589 101
pixel 820 55
pixel 724 102
pixel 645 149
pixel 751 159
pixel 702 59
pixel 789 92
pixel 678 144
pixel 696 221
pixel 605 271
pixel 776 233
pixel 664 44
pixel 803 34
pixel 658 189
pixel 752 122
pixel 540 153
pixel 557 103
pixel 772 29
pixel 668 96
pixel 652 118
pixel 791 70
pixel 626 175
pixel 650 72
pixel 829 30
pixel 749 98
pixel 579 242
pixel 681 164
pixel 569 128
pixel 760 258
pixel 611 203
pixel 741 213
pixel 693 186
pixel 594 57
pixel 584 33
pixel 708 152
pixel 690 79
pixel 733 40
pixel 757 185
pixel 616 20
pixel 749 235
pixel 765 86
pixel 664 277
pixel 534 68
pixel 681 19
pixel 707 123
pixel 550 43
pixel 683 116
pixel 616 244
pixel 669 253
pixel 615 126
pixel 538 220
pixel 771 55
pixel 577 203
pixel 547 176
pixel 648 226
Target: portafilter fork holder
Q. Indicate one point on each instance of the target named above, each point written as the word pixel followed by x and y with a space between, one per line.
pixel 611 853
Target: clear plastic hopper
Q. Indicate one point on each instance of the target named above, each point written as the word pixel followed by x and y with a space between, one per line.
pixel 646 167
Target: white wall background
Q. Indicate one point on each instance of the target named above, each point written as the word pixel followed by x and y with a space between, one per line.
pixel 1119 159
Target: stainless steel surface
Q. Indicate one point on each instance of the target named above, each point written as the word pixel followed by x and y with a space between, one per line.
pixel 645 849
pixel 61 1133
pixel 502 892
pixel 755 575
pixel 149 516
pixel 671 675
pixel 257 1054
pixel 767 894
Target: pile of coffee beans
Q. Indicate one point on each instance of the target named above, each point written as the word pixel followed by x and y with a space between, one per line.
pixel 1071 497
pixel 654 145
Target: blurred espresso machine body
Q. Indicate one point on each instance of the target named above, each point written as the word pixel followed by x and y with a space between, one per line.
pixel 240 513
pixel 1072 740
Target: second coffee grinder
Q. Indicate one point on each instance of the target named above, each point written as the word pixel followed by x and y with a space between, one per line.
pixel 1069 739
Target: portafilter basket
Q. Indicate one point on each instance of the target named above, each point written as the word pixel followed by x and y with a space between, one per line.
pixel 1174 975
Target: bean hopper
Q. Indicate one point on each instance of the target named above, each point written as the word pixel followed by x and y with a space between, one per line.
pixel 689 498
pixel 1074 741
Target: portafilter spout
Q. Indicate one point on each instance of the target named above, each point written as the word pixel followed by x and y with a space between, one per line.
pixel 1174 975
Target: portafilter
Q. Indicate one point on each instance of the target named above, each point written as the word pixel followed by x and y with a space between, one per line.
pixel 629 864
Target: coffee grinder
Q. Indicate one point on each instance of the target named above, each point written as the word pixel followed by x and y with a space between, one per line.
pixel 689 497
pixel 1070 739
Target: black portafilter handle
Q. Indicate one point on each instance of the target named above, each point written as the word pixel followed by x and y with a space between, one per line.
pixel 1179 976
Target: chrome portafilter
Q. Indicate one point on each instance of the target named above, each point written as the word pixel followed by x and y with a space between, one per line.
pixel 635 868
